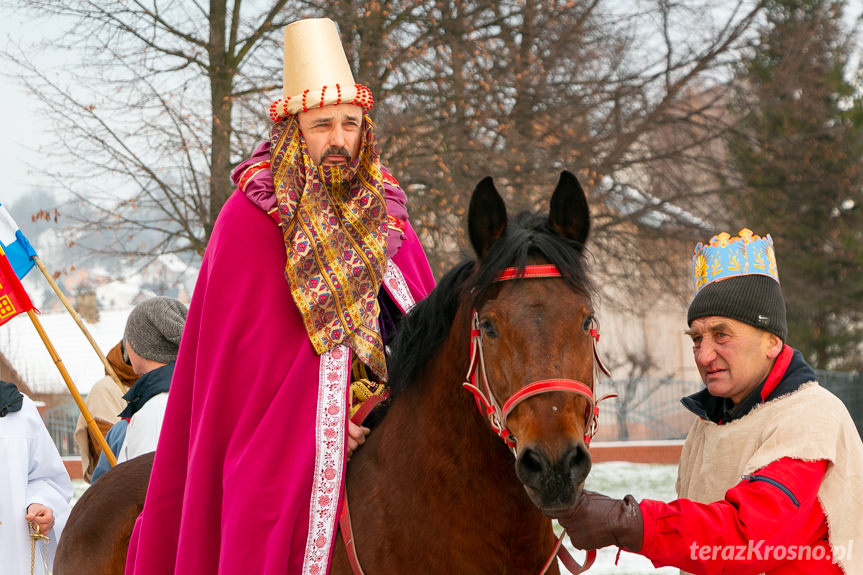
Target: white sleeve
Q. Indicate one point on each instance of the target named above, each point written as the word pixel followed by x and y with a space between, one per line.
pixel 48 481
pixel 142 435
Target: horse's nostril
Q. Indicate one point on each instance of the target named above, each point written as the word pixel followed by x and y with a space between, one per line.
pixel 531 466
pixel 534 461
pixel 553 481
pixel 577 463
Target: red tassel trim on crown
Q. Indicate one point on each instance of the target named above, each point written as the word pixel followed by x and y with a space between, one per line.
pixel 279 109
pixel 274 116
pixel 364 99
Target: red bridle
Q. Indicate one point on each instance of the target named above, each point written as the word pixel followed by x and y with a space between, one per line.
pixel 486 401
pixel 489 406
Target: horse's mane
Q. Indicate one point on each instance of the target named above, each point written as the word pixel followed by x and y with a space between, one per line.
pixel 427 326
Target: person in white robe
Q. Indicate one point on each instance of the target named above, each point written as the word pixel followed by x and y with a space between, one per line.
pixel 35 489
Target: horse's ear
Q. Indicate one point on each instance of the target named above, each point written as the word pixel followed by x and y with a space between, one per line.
pixel 569 215
pixel 486 217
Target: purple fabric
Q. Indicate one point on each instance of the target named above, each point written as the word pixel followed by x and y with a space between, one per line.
pixel 396 200
pixel 261 191
pixel 231 482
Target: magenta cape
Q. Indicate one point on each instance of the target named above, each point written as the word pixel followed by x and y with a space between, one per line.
pixel 243 446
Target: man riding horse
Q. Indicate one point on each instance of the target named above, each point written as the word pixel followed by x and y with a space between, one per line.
pixel 287 312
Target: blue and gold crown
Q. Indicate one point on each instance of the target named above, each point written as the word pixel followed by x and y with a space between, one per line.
pixel 726 256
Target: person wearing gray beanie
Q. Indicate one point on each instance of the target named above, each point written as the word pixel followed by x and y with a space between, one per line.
pixel 154 328
pixel 150 345
pixel 771 459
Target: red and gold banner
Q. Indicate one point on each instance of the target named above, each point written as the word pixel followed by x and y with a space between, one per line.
pixel 13 297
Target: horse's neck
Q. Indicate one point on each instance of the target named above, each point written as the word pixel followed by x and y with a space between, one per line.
pixel 436 485
pixel 445 416
pixel 434 438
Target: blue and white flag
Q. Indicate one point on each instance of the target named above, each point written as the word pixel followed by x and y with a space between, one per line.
pixel 18 250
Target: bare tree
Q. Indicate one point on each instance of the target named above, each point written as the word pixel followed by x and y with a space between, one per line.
pixel 148 126
pixel 517 89
pixel 522 89
pixel 631 389
pixel 797 158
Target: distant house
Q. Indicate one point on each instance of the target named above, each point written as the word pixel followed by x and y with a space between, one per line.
pixel 103 302
pixel 27 355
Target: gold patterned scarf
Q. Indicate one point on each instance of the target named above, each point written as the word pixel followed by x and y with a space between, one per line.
pixel 334 221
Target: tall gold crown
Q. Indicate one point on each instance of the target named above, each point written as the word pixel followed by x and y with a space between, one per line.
pixel 316 70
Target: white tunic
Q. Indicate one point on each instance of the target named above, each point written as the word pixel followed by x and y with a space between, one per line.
pixel 31 471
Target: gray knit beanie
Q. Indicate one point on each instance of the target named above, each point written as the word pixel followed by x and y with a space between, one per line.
pixel 154 328
pixel 753 299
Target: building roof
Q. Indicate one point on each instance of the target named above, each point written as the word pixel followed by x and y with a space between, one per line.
pixel 8 374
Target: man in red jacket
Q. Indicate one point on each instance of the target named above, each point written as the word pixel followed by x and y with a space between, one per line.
pixel 770 474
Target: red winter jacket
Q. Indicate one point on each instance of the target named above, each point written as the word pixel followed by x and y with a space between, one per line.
pixel 771 522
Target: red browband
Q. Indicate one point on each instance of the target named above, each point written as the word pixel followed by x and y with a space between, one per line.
pixel 537 271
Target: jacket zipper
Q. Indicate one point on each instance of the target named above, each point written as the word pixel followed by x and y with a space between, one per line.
pixel 775 484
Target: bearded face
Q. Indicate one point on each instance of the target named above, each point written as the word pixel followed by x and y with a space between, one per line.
pixel 333 133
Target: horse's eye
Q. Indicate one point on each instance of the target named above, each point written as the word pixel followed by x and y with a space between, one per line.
pixel 488 328
pixel 588 323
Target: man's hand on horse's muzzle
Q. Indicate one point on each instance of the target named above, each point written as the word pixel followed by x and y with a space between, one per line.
pixel 598 521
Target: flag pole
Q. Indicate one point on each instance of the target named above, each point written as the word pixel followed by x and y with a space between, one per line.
pixel 109 369
pixel 88 417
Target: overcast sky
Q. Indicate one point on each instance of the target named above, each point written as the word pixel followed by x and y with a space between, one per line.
pixel 23 130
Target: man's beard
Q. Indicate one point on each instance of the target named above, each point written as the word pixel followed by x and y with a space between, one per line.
pixel 336 151
pixel 337 178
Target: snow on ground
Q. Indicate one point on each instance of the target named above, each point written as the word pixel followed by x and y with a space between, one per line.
pixel 615 479
pixel 643 481
pixel 79 486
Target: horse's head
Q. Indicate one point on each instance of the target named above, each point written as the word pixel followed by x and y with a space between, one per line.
pixel 533 337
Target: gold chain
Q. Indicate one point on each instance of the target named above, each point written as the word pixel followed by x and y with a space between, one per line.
pixel 35 536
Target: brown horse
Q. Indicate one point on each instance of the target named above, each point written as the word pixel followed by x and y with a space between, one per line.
pixel 434 489
pixel 441 486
